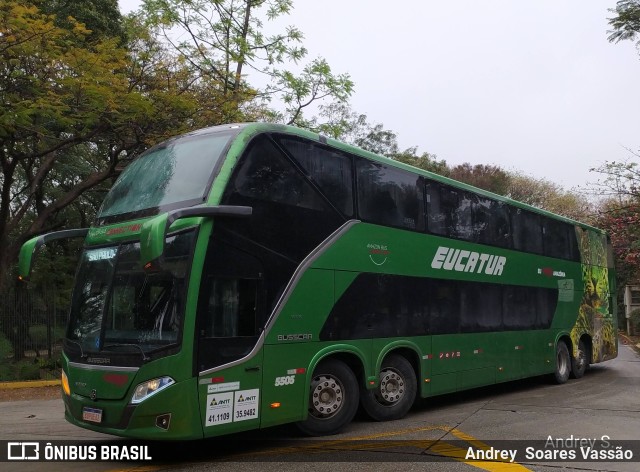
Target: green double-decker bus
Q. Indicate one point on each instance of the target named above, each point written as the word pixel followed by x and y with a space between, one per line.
pixel 245 276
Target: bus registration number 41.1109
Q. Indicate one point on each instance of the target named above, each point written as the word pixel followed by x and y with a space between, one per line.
pixel 92 414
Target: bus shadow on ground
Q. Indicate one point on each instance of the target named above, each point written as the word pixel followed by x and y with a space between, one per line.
pixel 501 390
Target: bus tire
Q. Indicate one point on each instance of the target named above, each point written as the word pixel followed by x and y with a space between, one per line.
pixel 579 364
pixel 333 399
pixel 396 391
pixel 563 363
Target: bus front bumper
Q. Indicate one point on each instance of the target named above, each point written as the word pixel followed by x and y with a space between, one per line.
pixel 172 414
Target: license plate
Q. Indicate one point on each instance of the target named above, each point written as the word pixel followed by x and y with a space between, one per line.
pixel 92 414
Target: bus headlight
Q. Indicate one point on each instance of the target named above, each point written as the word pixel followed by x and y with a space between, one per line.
pixel 150 387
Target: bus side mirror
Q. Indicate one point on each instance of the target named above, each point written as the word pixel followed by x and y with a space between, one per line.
pixel 25 259
pixel 153 233
pixel 28 249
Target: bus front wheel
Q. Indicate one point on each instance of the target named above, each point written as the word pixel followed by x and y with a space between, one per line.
pixel 563 363
pixel 333 399
pixel 395 393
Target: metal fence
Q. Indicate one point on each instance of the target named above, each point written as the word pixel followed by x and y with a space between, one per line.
pixel 32 326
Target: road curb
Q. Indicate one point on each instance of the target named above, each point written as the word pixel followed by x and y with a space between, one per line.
pixel 29 384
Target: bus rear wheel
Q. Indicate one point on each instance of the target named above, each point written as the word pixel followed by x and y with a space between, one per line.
pixel 396 391
pixel 580 362
pixel 563 363
pixel 333 399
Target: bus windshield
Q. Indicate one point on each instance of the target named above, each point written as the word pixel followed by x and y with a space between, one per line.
pixel 116 304
pixel 177 172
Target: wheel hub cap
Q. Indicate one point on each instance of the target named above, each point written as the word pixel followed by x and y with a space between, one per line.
pixel 326 396
pixel 392 386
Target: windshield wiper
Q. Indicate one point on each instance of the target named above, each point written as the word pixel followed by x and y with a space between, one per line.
pixel 145 358
pixel 82 354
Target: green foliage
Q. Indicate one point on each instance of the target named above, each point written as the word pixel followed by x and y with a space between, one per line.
pixel 626 23
pixel 39 334
pixel 31 368
pixel 380 141
pixel 81 105
pixel 340 122
pixel 27 370
pixel 5 348
pixel 21 370
pixel 222 39
pixel 63 96
pixel 101 18
pixel 487 177
pixel 316 82
pixel 6 372
pixel 89 89
pixel 424 161
pixel 549 196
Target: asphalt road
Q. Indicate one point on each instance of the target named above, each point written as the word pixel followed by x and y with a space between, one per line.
pixel 438 434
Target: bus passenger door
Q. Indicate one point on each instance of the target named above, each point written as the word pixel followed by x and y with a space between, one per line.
pixel 229 355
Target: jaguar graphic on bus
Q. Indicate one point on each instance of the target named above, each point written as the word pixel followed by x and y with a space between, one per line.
pixel 244 276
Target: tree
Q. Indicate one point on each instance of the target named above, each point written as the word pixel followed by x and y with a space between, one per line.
pixel 487 177
pixel 626 23
pixel 79 112
pixel 378 140
pixel 549 196
pixel 425 161
pixel 225 39
pixel 339 121
pixel 619 215
pixel 101 18
pixel 622 223
pixel 61 95
pixel 80 107
pixel 621 180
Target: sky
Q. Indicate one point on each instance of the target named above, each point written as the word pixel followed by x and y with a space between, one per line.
pixel 533 87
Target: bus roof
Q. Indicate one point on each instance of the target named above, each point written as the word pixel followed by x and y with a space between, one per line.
pixel 248 130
